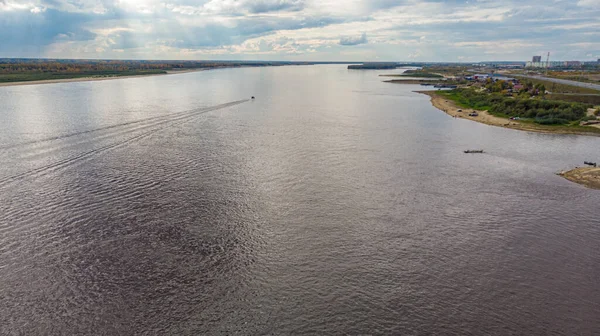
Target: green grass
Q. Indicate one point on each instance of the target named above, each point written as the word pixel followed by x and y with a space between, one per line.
pixel 460 100
pixel 421 75
pixel 579 98
pixel 543 111
pixel 572 127
pixel 37 76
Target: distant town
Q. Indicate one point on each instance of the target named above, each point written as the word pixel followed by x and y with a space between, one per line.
pixel 536 62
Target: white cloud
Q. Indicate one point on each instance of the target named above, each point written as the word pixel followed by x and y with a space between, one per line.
pixel 589 3
pixel 321 29
pixel 37 10
pixel 7 5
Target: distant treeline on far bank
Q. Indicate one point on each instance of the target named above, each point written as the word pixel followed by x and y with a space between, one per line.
pixel 21 69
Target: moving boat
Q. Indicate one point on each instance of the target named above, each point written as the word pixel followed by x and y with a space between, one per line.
pixel 474 151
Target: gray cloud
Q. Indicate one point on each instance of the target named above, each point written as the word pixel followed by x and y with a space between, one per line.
pixel 353 40
pixel 24 29
pixel 476 29
pixel 265 6
pixel 212 35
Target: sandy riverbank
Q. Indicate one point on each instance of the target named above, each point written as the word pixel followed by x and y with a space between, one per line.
pixel 94 79
pixel 587 176
pixel 484 117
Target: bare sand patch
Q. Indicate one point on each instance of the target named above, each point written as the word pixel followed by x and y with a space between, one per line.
pixel 587 176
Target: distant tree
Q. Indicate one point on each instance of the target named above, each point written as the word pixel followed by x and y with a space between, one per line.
pixel 539 89
pixel 542 89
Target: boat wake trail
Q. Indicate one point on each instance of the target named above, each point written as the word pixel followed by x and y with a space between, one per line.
pixel 129 123
pixel 153 125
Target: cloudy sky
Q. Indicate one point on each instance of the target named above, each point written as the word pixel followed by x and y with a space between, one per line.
pixel 352 30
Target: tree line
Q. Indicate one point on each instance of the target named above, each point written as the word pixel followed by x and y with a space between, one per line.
pixel 12 66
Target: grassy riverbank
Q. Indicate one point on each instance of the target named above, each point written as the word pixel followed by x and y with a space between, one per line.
pixel 416 74
pixel 415 81
pixel 457 106
pixel 419 74
pixel 540 111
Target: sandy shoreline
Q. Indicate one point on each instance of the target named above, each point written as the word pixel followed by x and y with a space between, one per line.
pixel 95 79
pixel 484 117
pixel 587 176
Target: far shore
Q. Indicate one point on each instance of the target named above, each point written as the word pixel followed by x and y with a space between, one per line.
pixel 587 176
pixel 484 117
pixel 94 79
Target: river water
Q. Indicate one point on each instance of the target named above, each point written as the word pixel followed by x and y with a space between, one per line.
pixel 333 203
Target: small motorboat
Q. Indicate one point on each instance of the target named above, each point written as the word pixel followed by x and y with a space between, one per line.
pixel 590 163
pixel 252 97
pixel 470 151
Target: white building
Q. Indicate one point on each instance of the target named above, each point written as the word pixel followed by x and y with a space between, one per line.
pixel 551 64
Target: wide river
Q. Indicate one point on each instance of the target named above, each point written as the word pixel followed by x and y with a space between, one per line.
pixel 331 204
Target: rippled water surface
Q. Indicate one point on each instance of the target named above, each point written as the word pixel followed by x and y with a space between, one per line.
pixel 334 203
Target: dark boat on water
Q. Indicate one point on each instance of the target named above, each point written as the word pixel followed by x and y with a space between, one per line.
pixel 590 163
pixel 469 151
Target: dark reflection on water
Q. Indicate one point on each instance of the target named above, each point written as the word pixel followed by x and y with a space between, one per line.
pixel 332 204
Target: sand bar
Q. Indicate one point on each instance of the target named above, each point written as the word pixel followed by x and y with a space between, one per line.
pixel 587 176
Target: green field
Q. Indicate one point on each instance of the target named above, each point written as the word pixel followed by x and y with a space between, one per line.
pixel 579 98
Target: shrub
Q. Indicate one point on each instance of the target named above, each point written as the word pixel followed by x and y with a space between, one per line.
pixel 547 112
